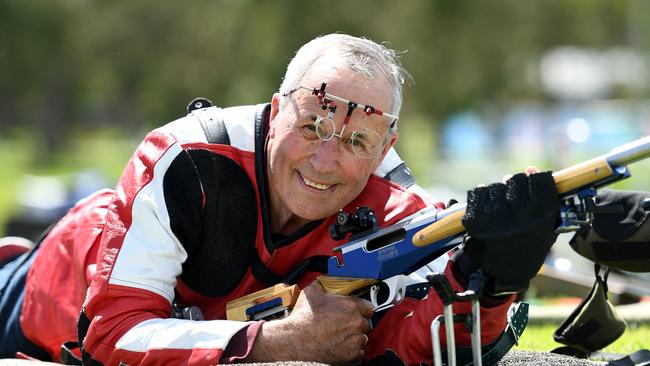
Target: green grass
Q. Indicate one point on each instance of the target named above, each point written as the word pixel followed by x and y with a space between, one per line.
pixel 540 338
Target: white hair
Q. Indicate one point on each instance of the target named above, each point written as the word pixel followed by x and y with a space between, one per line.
pixel 361 55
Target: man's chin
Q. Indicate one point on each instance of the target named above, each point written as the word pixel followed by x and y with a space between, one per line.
pixel 311 215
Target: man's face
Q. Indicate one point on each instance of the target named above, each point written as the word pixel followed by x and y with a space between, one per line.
pixel 313 179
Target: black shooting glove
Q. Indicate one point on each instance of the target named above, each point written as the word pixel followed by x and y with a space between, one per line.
pixel 511 228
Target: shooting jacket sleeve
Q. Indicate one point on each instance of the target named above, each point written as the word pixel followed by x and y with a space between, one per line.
pixel 405 329
pixel 128 305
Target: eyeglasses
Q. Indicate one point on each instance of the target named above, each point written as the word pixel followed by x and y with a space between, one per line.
pixel 364 143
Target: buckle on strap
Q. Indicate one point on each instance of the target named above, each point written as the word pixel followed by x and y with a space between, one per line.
pixel 517 319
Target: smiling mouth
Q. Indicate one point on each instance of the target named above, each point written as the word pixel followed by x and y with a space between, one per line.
pixel 319 186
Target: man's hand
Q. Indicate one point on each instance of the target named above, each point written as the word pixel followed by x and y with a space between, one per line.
pixel 322 327
pixel 511 228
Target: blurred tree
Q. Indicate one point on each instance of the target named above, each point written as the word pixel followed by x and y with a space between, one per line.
pixel 134 65
pixel 38 82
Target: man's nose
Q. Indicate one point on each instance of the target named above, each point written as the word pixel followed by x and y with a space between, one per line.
pixel 325 156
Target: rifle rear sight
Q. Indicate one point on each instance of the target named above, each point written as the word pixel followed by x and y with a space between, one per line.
pixel 362 221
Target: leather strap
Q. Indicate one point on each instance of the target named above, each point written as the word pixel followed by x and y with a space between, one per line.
pixel 68 357
pixel 401 175
pixel 640 357
pixel 214 128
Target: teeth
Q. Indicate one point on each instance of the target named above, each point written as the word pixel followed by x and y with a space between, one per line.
pixel 314 184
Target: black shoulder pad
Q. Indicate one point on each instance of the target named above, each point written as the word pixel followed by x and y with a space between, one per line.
pixel 401 175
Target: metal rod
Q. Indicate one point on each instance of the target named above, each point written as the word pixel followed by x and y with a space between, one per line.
pixel 435 340
pixel 449 334
pixel 477 357
pixel 630 152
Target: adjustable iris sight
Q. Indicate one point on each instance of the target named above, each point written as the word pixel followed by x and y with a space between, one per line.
pixel 363 220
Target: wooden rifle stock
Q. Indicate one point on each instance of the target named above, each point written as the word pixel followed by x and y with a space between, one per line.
pixel 236 309
pixel 288 295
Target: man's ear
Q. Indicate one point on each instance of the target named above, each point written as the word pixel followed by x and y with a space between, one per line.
pixel 391 141
pixel 275 109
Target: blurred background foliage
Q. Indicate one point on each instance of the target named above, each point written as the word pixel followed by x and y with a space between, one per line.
pixel 498 85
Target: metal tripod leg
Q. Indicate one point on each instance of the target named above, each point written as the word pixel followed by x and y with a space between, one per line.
pixel 450 336
pixel 448 320
pixel 448 296
pixel 435 340
pixel 477 357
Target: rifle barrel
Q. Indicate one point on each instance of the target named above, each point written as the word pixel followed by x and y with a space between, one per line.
pixel 630 153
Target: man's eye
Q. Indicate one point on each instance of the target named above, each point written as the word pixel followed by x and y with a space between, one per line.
pixel 308 129
pixel 357 143
pixel 310 126
pixel 359 139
